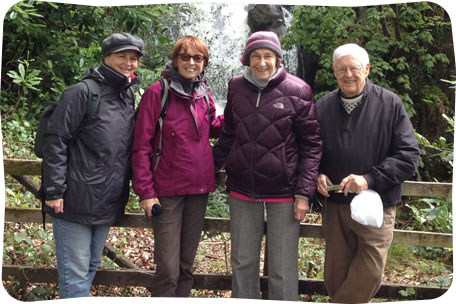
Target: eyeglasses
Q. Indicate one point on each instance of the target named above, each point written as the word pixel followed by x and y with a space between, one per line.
pixel 186 57
pixel 344 70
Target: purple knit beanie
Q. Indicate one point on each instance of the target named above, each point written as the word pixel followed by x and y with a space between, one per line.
pixel 261 40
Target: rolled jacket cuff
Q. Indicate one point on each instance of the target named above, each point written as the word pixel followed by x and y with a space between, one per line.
pixel 51 197
pixel 370 181
pixel 147 196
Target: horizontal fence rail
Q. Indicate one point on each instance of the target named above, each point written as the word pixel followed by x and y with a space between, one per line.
pixel 19 167
pixel 22 170
pixel 143 278
pixel 135 220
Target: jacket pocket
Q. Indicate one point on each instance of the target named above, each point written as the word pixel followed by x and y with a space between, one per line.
pixel 89 177
pixel 168 153
pixel 283 160
pixel 230 163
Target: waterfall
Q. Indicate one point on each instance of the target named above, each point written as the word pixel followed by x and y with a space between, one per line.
pixel 290 56
pixel 223 27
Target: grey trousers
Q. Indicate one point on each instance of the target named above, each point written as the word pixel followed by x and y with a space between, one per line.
pixel 177 232
pixel 247 229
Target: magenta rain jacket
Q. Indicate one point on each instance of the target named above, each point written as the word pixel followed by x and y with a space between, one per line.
pixel 186 164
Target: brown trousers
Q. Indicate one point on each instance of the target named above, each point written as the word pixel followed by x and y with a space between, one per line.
pixel 177 232
pixel 355 254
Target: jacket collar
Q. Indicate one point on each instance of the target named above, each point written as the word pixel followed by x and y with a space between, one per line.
pixel 185 88
pixel 114 78
pixel 272 82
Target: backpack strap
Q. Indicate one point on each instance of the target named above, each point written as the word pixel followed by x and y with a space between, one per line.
pixel 92 103
pixel 208 103
pixel 164 110
pixel 94 96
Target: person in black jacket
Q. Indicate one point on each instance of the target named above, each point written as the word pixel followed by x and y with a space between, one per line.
pixel 368 143
pixel 86 163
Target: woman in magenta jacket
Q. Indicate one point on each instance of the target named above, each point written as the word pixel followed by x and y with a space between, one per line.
pixel 185 172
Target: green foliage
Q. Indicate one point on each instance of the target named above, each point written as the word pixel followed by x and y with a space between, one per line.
pixel 134 204
pixel 29 245
pixel 402 41
pixel 25 78
pixel 30 292
pixel 18 134
pixel 409 292
pixel 432 214
pixel 432 265
pixel 16 196
pixel 311 258
pixel 319 299
pixel 49 46
pixel 442 148
pixel 18 130
pixel 217 205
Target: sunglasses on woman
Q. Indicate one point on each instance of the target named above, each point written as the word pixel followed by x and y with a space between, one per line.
pixel 186 57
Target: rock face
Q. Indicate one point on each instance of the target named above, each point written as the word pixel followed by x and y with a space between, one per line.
pixel 307 65
pixel 264 17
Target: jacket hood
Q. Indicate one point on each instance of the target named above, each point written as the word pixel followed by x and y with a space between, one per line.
pixel 185 87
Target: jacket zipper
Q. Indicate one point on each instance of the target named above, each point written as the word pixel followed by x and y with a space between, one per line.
pixel 258 99
pixel 253 152
pixel 194 112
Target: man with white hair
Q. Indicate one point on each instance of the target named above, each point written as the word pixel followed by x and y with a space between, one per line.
pixel 368 143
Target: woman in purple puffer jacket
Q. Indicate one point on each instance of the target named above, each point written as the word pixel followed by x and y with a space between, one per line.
pixel 271 150
pixel 185 172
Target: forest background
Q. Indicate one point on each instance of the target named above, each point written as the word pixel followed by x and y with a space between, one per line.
pixel 47 46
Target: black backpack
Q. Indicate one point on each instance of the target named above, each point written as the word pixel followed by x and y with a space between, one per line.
pixel 92 104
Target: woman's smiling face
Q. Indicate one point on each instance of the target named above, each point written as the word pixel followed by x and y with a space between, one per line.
pixel 190 69
pixel 263 63
pixel 124 62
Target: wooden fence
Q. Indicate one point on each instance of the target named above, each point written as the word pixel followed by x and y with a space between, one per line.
pixel 130 275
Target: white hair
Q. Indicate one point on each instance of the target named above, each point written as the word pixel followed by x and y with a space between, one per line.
pixel 351 49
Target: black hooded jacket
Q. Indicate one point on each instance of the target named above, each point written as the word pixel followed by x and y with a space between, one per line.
pixel 91 171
